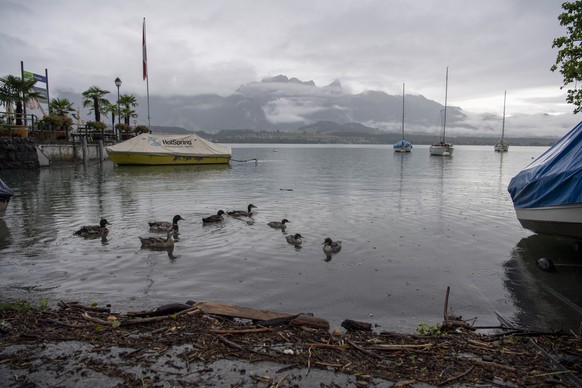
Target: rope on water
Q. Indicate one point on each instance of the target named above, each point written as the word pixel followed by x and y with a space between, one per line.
pixel 247 160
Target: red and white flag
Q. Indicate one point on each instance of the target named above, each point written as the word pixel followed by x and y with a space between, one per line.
pixel 145 57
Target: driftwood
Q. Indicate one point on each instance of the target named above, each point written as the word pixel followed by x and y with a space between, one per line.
pixel 229 310
pixel 361 349
pixel 265 318
pixel 78 306
pixel 240 331
pixel 393 347
pixel 350 325
pixel 452 322
pixel 138 321
pixel 342 348
pixel 278 321
pixel 310 321
pixel 167 309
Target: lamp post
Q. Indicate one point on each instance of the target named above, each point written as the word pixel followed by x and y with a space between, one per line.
pixel 118 84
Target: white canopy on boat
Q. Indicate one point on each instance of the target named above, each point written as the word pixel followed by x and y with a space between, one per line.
pixel 181 145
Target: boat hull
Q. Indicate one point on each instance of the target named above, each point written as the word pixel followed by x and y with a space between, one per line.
pixel 125 158
pixel 402 149
pixel 5 194
pixel 441 149
pixel 563 221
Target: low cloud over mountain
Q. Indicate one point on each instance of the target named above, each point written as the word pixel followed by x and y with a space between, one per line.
pixel 281 104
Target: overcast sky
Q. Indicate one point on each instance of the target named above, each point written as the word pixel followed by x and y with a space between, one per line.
pixel 214 46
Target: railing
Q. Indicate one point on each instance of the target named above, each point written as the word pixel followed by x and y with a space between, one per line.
pixel 17 124
pixel 30 129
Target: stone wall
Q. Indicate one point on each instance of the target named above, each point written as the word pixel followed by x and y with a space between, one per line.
pixel 17 152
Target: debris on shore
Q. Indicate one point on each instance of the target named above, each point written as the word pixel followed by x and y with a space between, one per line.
pixel 181 343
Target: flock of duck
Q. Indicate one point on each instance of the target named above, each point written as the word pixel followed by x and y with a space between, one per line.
pixel 172 231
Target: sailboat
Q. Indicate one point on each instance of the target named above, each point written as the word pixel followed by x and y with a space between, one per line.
pixel 501 145
pixel 402 145
pixel 442 148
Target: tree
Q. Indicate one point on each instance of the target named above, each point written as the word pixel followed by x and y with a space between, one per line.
pixel 127 113
pixel 106 108
pixel 15 90
pixel 61 107
pixel 127 101
pixel 94 98
pixel 569 59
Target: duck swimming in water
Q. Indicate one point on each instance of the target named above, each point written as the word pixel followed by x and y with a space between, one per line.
pixel 330 246
pixel 242 213
pixel 94 230
pixel 215 217
pixel 295 239
pixel 279 225
pixel 158 242
pixel 164 226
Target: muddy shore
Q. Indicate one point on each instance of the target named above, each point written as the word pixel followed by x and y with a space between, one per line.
pixel 76 345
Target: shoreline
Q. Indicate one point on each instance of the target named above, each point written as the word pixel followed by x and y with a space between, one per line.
pixel 77 344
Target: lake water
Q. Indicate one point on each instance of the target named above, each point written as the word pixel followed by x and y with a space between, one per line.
pixel 411 225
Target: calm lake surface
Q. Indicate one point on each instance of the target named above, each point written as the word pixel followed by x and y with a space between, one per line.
pixel 411 225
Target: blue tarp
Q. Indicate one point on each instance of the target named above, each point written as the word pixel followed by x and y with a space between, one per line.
pixel 555 178
pixel 5 192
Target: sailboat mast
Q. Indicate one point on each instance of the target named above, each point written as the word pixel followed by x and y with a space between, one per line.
pixel 403 110
pixel 503 122
pixel 446 93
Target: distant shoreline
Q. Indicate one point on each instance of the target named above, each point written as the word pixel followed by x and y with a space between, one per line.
pixel 285 138
pixel 251 136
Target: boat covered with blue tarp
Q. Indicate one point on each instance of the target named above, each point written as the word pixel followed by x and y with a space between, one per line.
pixel 403 145
pixel 547 194
pixel 5 194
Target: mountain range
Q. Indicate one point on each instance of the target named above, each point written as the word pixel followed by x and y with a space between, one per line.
pixel 286 104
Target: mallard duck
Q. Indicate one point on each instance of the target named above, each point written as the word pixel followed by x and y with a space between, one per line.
pixel 295 239
pixel 278 225
pixel 94 230
pixel 215 217
pixel 164 226
pixel 242 213
pixel 330 246
pixel 158 242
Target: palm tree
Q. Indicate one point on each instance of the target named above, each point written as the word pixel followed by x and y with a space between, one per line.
pixel 15 90
pixel 61 107
pixel 127 113
pixel 107 108
pixel 93 98
pixel 127 101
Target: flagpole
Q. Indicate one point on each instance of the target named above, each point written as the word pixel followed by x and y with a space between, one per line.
pixel 145 72
pixel 148 94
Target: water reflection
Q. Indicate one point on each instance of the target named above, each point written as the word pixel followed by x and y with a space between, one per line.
pixel 546 300
pixel 5 239
pixel 160 171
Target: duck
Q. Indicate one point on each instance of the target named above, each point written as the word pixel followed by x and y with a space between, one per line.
pixel 330 246
pixel 158 242
pixel 215 217
pixel 295 239
pixel 242 213
pixel 278 225
pixel 94 230
pixel 164 226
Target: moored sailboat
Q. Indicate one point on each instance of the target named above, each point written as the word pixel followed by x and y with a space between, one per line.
pixel 502 145
pixel 402 145
pixel 443 148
